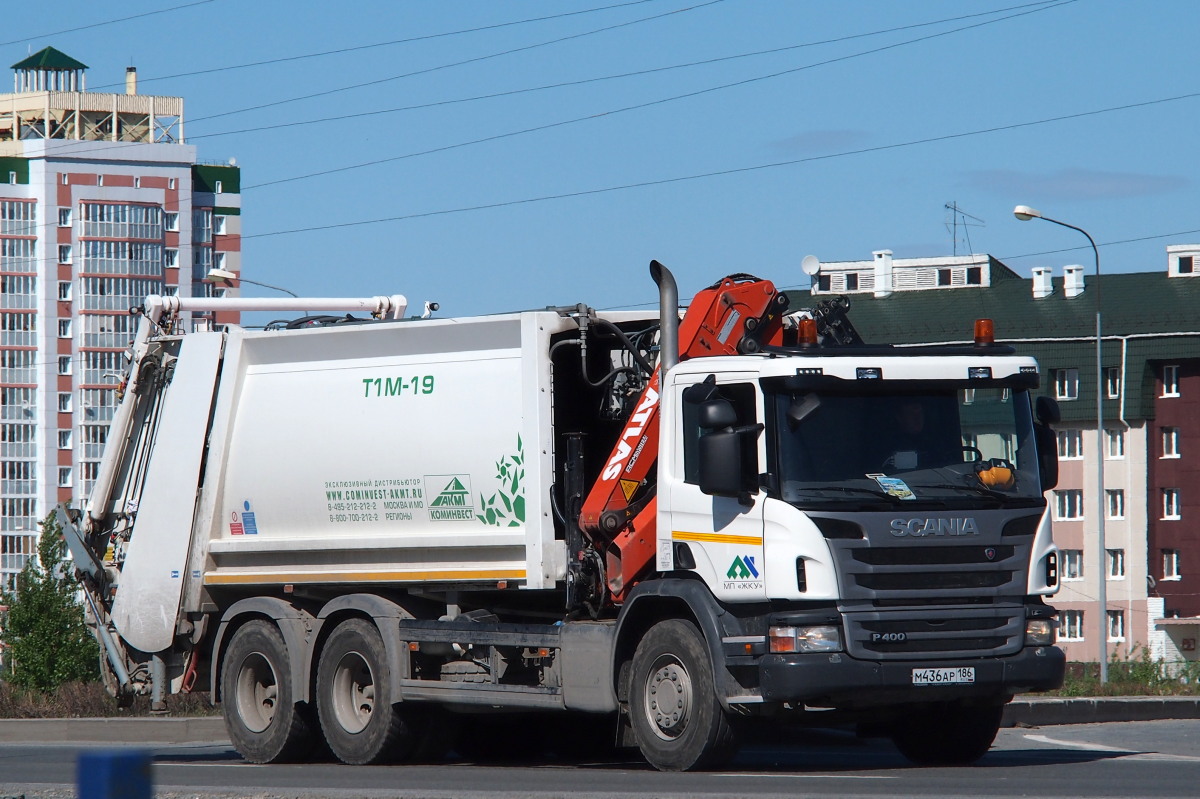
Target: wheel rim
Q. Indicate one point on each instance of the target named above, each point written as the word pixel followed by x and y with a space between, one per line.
pixel 353 694
pixel 668 697
pixel 257 692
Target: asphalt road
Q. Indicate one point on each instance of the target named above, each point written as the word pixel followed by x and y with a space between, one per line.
pixel 1126 759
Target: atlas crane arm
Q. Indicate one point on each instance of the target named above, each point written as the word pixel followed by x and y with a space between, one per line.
pixel 736 315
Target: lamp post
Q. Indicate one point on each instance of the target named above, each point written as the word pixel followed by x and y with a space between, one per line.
pixel 221 275
pixel 1025 213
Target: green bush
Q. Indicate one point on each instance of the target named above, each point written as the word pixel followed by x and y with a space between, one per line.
pixel 47 642
pixel 1135 675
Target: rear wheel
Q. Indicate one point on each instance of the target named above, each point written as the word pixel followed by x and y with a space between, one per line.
pixel 948 734
pixel 673 704
pixel 361 723
pixel 263 721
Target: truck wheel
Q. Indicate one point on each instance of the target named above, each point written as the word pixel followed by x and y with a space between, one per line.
pixel 673 704
pixel 263 721
pixel 361 724
pixel 948 734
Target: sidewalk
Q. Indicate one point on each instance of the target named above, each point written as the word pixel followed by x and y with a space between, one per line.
pixel 1024 711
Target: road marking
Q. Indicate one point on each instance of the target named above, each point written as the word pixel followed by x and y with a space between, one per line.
pixel 1125 754
pixel 756 774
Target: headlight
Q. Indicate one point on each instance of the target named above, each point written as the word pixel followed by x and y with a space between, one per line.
pixel 1039 632
pixel 818 638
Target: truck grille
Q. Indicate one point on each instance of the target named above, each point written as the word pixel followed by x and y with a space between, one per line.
pixel 962 632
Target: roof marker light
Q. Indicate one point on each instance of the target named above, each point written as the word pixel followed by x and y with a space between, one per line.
pixel 985 333
pixel 806 333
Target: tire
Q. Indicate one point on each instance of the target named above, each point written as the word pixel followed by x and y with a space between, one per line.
pixel 947 734
pixel 673 704
pixel 361 723
pixel 263 721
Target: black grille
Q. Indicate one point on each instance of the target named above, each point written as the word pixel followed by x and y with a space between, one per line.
pixel 937 645
pixel 919 556
pixel 933 633
pixel 932 581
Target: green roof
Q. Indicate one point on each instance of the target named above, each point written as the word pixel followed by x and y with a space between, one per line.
pixel 1147 318
pixel 49 58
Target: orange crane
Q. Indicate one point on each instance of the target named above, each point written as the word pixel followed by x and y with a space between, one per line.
pixel 736 315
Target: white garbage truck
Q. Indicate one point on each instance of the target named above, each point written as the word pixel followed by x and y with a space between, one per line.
pixel 364 530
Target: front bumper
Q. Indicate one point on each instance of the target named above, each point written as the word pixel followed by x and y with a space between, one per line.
pixel 838 680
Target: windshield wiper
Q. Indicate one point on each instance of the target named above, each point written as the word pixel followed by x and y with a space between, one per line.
pixel 848 489
pixel 981 490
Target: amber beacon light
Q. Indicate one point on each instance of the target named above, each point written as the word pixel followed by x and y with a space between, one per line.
pixel 985 332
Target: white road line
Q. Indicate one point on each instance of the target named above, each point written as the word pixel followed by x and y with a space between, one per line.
pixel 757 774
pixel 1126 754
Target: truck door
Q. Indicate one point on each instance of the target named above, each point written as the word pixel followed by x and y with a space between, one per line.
pixel 718 537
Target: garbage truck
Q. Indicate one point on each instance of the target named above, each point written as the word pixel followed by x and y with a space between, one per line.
pixel 358 530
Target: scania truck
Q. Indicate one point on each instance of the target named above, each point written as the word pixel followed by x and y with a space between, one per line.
pixel 358 530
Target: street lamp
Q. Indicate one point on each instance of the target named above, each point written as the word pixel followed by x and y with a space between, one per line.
pixel 1025 213
pixel 222 276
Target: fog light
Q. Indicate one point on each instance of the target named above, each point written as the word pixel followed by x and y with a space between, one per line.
pixel 817 638
pixel 1039 632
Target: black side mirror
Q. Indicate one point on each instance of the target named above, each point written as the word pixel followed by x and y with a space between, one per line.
pixel 1047 411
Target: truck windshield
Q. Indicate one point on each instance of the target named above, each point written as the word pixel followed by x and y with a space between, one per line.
pixel 934 446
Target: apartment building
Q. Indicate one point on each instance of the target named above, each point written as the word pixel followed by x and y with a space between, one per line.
pixel 101 203
pixel 1150 439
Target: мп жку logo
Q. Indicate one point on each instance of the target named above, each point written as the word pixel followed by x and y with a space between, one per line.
pixel 452 498
pixel 742 568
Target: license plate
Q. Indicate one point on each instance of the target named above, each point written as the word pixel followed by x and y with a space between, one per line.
pixel 958 676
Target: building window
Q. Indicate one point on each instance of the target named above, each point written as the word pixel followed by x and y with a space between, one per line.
pixel 64 364
pixel 218 188
pixel 1066 384
pixel 974 276
pixel 1185 264
pixel 64 217
pixel 170 183
pixel 1068 504
pixel 64 476
pixel 64 179
pixel 852 281
pixel 64 403
pixel 219 225
pixel 219 260
pixel 99 180
pixel 945 277
pixel 64 291
pixel 1116 625
pixel 1170 378
pixel 1116 444
pixel 1116 503
pixel 171 221
pixel 1170 560
pixel 64 328
pixel 12 177
pixel 1170 442
pixel 1116 563
pixel 1070 625
pixel 137 183
pixel 1072 564
pixel 170 258
pixel 1070 444
pixel 1112 381
pixel 64 439
pixel 1170 503
pixel 64 253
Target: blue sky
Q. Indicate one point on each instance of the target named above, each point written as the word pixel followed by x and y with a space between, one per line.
pixel 851 136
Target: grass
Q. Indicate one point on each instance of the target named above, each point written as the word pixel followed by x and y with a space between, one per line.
pixel 1135 676
pixel 90 700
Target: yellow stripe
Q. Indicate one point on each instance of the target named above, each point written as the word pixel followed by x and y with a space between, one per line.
pixel 259 578
pixel 718 538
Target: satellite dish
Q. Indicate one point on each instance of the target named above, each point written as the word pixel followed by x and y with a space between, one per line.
pixel 233 161
pixel 810 265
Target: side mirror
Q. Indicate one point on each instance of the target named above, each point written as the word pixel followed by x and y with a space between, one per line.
pixel 720 473
pixel 714 414
pixel 1046 410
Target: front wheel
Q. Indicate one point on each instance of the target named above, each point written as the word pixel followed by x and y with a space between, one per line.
pixel 264 723
pixel 673 704
pixel 948 734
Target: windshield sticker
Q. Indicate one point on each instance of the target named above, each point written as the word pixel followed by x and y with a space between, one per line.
pixel 893 486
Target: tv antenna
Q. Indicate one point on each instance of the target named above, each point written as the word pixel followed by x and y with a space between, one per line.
pixel 953 224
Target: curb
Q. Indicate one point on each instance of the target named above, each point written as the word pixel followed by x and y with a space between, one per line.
pixel 149 731
pixel 1047 711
